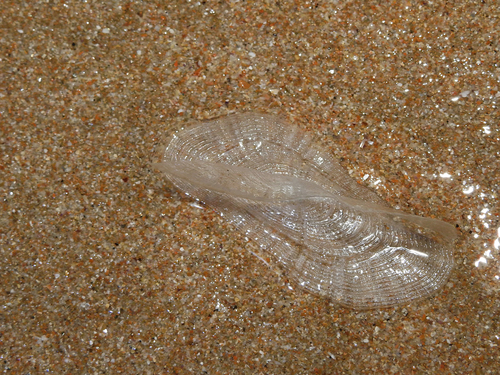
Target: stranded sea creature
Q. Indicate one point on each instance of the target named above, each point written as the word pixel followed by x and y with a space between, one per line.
pixel 331 235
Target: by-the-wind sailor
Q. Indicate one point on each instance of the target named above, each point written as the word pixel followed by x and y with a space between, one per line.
pixel 333 236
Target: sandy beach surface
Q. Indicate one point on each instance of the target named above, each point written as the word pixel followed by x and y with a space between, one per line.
pixel 106 268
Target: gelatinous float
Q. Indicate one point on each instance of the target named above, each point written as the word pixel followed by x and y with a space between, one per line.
pixel 331 235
